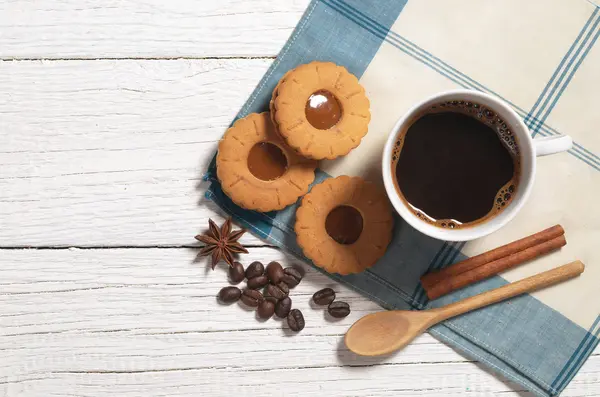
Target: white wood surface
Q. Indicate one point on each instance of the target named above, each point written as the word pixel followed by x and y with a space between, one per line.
pixel 145 28
pixel 108 154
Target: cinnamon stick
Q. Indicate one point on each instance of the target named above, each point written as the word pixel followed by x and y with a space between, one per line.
pixel 487 270
pixel 429 279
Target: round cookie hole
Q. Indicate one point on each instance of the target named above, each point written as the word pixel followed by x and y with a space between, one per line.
pixel 344 224
pixel 267 161
pixel 323 110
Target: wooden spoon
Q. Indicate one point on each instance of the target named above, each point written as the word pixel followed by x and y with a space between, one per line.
pixel 384 332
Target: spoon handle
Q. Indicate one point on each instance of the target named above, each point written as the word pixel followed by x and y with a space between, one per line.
pixel 528 284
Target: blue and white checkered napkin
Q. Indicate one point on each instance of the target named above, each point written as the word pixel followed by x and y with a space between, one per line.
pixel 540 58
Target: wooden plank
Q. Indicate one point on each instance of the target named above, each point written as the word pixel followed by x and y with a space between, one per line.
pixel 111 153
pixel 145 29
pixel 145 321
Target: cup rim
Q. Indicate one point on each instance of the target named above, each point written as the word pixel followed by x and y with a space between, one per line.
pixel 528 167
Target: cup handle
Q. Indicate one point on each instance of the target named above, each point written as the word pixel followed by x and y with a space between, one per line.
pixel 552 144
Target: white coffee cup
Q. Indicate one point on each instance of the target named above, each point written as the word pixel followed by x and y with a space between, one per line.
pixel 529 149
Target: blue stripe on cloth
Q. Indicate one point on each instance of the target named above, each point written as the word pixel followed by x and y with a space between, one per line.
pixel 455 250
pixel 584 152
pixel 594 341
pixel 448 251
pixel 559 68
pixel 437 64
pixel 587 345
pixel 570 70
pixel 430 267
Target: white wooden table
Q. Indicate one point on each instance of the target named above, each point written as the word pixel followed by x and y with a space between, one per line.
pixel 109 113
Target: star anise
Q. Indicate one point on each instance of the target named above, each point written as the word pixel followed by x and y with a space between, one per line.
pixel 221 243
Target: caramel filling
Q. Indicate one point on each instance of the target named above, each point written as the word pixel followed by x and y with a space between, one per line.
pixel 266 161
pixel 323 110
pixel 344 224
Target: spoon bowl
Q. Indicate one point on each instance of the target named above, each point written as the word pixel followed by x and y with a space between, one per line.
pixel 387 331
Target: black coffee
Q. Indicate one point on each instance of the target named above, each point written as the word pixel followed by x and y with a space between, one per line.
pixel 457 164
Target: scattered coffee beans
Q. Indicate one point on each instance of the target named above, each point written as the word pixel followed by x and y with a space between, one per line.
pixel 291 277
pixel 252 297
pixel 236 273
pixel 258 282
pixel 255 269
pixel 275 272
pixel 275 300
pixel 266 308
pixel 230 294
pixel 283 307
pixel 339 309
pixel 278 291
pixel 295 320
pixel 324 296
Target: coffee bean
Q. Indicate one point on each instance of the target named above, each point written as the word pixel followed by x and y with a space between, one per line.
pixel 236 273
pixel 291 276
pixel 275 272
pixel 324 296
pixel 295 320
pixel 283 307
pixel 257 282
pixel 266 308
pixel 339 309
pixel 255 269
pixel 278 291
pixel 252 297
pixel 229 294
